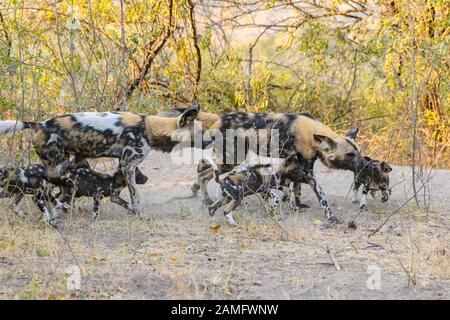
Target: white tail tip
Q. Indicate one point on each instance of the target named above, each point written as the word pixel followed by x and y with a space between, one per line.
pixel 9 126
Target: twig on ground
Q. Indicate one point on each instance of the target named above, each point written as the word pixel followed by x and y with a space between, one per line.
pixel 373 245
pixel 399 208
pixel 68 246
pixel 333 258
pixel 410 278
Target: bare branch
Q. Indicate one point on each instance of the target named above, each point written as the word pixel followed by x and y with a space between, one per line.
pixel 197 48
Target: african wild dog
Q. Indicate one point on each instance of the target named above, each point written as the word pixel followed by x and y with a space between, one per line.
pixel 78 181
pixel 204 173
pixel 31 179
pixel 373 175
pixel 82 181
pixel 298 134
pixel 124 135
pixel 245 180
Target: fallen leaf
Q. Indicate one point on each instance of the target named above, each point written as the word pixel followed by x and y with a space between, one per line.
pixel 174 258
pixel 42 252
pixel 317 221
pixel 423 283
pixel 120 289
pixel 244 245
pixel 94 259
pixel 215 228
pixel 154 254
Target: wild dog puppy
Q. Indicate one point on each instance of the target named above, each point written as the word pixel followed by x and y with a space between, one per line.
pixel 245 180
pixel 298 134
pixel 82 181
pixel 79 180
pixel 123 135
pixel 373 175
pixel 31 179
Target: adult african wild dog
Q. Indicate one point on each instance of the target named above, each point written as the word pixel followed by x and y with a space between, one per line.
pixel 204 167
pixel 298 134
pixel 123 135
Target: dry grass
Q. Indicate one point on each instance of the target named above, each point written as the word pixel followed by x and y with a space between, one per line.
pixel 188 256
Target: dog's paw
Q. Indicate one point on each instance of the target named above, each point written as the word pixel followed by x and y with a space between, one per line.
pixel 207 201
pixel 195 187
pixel 363 207
pixel 334 220
pixel 211 211
pixel 21 214
pixel 54 221
pixel 230 219
pixel 302 206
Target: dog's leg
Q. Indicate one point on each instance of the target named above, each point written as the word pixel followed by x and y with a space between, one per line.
pixel 216 205
pixel 15 205
pixel 132 156
pixel 202 165
pixel 129 173
pixel 115 198
pixel 195 187
pixel 287 191
pixel 228 211
pixel 310 178
pixel 363 202
pixel 356 186
pixel 63 200
pixel 277 204
pixel 203 178
pixel 297 195
pixel 40 200
pixel 96 208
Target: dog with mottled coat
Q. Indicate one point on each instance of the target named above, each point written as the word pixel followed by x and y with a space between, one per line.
pixel 78 181
pixel 300 135
pixel 249 179
pixel 373 175
pixel 123 135
pixel 27 180
pixel 82 181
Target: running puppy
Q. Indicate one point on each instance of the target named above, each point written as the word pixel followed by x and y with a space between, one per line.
pixel 31 179
pixel 373 176
pixel 85 182
pixel 123 135
pixel 245 180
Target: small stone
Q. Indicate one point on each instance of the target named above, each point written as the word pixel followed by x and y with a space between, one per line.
pixel 352 225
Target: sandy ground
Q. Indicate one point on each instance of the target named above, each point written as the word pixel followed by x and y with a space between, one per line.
pixel 180 252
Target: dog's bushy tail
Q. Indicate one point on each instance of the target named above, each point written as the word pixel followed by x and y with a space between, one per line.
pixel 214 167
pixel 10 126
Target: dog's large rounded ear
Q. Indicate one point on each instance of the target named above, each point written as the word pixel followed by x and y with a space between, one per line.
pixel 352 133
pixel 324 141
pixel 188 116
pixel 385 167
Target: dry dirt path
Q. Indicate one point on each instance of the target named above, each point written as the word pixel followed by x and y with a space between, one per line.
pixel 180 252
